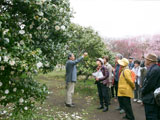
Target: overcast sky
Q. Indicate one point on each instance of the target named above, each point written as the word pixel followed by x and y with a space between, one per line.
pixel 118 18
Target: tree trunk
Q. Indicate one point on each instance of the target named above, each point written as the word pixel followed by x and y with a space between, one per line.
pixel 87 76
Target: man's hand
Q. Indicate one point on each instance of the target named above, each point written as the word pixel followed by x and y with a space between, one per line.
pixel 97 79
pixel 85 54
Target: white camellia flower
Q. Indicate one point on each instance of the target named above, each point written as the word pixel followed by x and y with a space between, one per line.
pixel 5 31
pixel 22 42
pixel 6 91
pixel 21 32
pixel 63 27
pixel 22 26
pixel 39 27
pixel 39 64
pixel 45 36
pixel 6 58
pixel 21 100
pixel 4 112
pixel 10 82
pixel 31 26
pixel 14 89
pixel 6 39
pixel 61 10
pixel 30 35
pixel 57 27
pixel 40 13
pixel 12 62
pixel 47 64
pixel 1 84
pixel 22 91
pixel 44 88
pixel 25 108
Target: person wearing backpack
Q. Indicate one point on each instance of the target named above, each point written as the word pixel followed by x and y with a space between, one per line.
pixel 151 83
pixel 125 88
pixel 137 70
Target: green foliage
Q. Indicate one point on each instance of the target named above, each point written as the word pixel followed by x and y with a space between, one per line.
pixel 31 34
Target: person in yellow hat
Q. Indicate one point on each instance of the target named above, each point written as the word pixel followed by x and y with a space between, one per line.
pixel 125 89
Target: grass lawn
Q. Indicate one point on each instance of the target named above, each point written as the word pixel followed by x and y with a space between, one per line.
pixel 85 96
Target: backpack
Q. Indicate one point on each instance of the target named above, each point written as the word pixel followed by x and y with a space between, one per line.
pixel 157 96
pixel 133 76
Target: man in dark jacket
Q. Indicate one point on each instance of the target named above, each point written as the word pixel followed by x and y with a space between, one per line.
pixel 116 80
pixel 159 61
pixel 151 82
pixel 71 77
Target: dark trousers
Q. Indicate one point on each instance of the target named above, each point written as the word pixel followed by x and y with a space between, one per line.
pixel 112 91
pixel 120 100
pixel 110 95
pixel 137 92
pixel 116 87
pixel 126 103
pixel 103 92
pixel 151 111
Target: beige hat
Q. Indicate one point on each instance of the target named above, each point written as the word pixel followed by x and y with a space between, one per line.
pixel 101 60
pixel 124 62
pixel 151 57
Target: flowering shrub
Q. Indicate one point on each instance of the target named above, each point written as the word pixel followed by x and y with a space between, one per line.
pixel 31 32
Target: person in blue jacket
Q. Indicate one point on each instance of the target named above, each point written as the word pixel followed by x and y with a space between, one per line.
pixel 71 77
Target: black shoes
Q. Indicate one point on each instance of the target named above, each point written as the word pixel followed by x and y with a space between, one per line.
pixel 105 109
pixel 101 107
pixel 70 105
pixel 125 117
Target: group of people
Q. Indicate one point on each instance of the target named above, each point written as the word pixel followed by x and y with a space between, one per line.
pixel 126 80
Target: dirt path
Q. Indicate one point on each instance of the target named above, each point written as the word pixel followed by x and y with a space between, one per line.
pixel 94 114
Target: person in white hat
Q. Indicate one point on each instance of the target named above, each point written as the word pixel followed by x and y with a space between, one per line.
pixel 125 89
pixel 102 82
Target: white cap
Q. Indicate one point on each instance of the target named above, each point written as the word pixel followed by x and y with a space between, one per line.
pixel 101 60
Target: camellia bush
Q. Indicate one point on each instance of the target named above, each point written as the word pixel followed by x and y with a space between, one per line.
pixel 31 32
pixel 85 39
